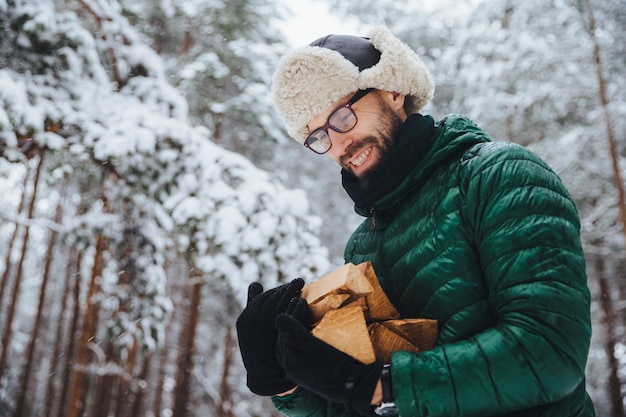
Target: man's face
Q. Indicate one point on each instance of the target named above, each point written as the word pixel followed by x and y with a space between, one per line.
pixel 380 115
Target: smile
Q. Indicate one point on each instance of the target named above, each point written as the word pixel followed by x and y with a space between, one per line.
pixel 358 161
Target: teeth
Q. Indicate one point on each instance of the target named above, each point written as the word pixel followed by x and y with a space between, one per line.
pixel 358 161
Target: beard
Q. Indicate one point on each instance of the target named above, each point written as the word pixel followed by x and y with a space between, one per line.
pixel 383 139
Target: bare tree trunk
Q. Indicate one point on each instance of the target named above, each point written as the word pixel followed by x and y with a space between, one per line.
pixel 77 392
pixel 225 406
pixel 107 385
pixel 604 99
pixel 614 385
pixel 102 406
pixel 72 333
pixel 58 339
pixel 21 403
pixel 139 401
pixel 8 333
pixel 610 324
pixel 188 338
pixel 509 128
pixel 160 385
pixel 124 392
pixel 7 261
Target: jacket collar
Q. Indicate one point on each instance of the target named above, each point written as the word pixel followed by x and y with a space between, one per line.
pixel 422 145
pixel 415 140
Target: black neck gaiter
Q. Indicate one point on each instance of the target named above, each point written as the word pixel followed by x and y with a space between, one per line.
pixel 415 139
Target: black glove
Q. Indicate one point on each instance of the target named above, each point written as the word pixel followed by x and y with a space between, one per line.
pixel 257 336
pixel 319 367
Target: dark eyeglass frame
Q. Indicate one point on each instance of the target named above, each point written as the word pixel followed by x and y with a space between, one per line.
pixel 348 105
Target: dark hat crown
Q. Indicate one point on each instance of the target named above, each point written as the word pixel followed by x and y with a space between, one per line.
pixel 358 50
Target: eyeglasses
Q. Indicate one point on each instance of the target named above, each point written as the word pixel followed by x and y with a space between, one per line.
pixel 342 120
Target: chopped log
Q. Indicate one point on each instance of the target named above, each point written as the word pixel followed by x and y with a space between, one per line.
pixel 422 333
pixel 336 289
pixel 345 329
pixel 353 314
pixel 385 342
pixel 379 306
pixel 346 279
pixel 357 302
pixel 330 302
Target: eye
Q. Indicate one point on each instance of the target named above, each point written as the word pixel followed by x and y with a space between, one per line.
pixel 342 120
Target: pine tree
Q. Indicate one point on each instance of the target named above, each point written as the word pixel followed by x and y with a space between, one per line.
pixel 79 83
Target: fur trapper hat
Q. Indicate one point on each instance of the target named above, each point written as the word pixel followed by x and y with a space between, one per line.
pixel 311 78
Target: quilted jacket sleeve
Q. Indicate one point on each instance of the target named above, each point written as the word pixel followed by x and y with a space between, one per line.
pixel 525 231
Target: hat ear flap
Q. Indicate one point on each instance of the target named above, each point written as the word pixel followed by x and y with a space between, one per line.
pixel 400 70
pixel 307 82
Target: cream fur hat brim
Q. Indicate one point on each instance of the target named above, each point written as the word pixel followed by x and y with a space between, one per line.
pixel 311 78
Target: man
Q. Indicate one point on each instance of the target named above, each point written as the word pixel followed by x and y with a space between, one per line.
pixel 481 236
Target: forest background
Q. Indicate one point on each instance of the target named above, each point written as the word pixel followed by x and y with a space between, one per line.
pixel 146 180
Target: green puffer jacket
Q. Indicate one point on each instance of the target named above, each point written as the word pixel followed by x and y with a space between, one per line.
pixel 484 238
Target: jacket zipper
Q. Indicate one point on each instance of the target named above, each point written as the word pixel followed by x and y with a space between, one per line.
pixel 373 218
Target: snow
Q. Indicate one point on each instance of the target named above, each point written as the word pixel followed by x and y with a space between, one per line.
pixel 17 109
pixel 185 190
pixel 133 142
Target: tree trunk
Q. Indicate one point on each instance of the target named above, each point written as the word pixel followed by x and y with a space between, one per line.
pixel 8 333
pixel 23 393
pixel 107 385
pixel 510 133
pixel 72 333
pixel 610 324
pixel 49 403
pixel 225 406
pixel 160 385
pixel 124 392
pixel 4 282
pixel 77 391
pixel 138 405
pixel 102 406
pixel 604 99
pixel 188 337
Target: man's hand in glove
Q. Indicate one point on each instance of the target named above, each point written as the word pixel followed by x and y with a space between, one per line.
pixel 257 336
pixel 319 367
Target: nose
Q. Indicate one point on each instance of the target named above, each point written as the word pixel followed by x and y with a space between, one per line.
pixel 341 142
